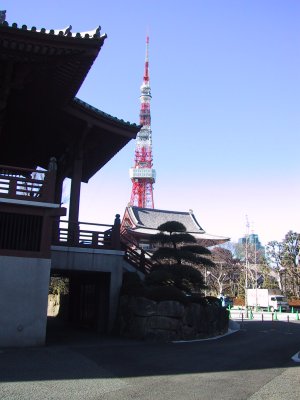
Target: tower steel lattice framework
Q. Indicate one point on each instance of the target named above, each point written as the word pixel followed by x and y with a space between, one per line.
pixel 142 174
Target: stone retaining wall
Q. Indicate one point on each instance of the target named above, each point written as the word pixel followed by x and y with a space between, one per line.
pixel 141 318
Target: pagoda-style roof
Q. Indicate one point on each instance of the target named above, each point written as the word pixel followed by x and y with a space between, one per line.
pixel 41 72
pixel 142 223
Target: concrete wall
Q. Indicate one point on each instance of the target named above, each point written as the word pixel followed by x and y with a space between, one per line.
pixel 24 285
pixel 79 259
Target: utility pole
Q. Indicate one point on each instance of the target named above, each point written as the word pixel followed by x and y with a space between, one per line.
pixel 246 263
pixel 253 235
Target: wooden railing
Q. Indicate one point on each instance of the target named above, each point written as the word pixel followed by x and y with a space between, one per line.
pixel 138 259
pixel 19 232
pixel 82 235
pixel 102 236
pixel 134 255
pixel 27 184
pixel 38 185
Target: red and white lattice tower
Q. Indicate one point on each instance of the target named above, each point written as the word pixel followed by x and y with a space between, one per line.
pixel 142 174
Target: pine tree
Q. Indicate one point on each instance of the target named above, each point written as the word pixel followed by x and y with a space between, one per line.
pixel 179 260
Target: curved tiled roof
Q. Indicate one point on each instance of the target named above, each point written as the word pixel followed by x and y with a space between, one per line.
pixel 103 114
pixel 145 222
pixel 41 72
pixel 65 32
pixel 58 59
pixel 152 218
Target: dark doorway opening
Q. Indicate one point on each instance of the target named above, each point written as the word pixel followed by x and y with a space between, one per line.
pixel 81 304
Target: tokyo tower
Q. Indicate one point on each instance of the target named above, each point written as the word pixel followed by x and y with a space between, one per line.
pixel 142 174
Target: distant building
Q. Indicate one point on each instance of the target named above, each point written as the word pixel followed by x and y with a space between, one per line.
pixel 252 240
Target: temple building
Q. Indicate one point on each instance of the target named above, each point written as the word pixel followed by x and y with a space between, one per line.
pixel 140 224
pixel 47 135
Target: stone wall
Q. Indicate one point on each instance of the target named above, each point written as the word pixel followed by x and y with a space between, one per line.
pixel 141 318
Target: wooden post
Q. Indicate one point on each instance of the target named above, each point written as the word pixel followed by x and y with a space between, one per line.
pixel 57 199
pixel 49 181
pixel 115 234
pixel 73 231
pixel 142 260
pixel 12 191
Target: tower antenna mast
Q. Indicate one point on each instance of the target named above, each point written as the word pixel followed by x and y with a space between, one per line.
pixel 143 175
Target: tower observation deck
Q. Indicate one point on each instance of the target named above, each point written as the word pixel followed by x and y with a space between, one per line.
pixel 142 174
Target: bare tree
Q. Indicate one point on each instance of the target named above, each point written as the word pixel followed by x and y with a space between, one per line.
pixel 224 277
pixel 283 257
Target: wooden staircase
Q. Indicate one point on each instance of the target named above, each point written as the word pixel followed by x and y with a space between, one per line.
pixel 136 256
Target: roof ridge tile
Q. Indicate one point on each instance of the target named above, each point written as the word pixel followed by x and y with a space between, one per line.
pixel 66 32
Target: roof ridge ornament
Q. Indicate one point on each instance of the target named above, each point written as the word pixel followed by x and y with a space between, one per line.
pixel 93 33
pixel 2 16
pixel 65 31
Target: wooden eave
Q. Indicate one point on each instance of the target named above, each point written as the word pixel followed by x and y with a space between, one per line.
pixel 40 74
pixel 38 61
pixel 99 135
pixel 102 120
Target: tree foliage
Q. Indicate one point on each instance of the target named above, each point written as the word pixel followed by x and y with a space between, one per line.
pixel 58 285
pixel 178 259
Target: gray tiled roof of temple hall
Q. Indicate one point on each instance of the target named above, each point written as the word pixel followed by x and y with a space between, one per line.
pixel 152 218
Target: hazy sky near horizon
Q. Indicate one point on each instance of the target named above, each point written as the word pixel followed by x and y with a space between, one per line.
pixel 225 80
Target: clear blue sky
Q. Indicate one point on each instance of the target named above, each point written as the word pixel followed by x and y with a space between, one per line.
pixel 225 79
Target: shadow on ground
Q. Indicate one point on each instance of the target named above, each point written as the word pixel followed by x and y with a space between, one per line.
pixel 81 354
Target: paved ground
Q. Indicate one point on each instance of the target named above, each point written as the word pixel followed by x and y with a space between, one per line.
pixel 253 363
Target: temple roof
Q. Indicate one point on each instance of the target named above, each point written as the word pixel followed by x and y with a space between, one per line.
pixel 41 72
pixel 143 223
pixel 104 115
pixel 151 218
pixel 67 31
pixel 38 59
